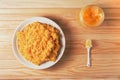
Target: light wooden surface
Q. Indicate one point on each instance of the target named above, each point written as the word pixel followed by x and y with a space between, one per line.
pixel 106 39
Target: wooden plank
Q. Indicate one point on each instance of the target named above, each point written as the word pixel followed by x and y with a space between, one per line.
pixel 110 24
pixel 57 3
pixel 112 11
pixel 22 14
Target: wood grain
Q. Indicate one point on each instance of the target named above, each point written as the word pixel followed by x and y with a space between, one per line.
pixel 105 54
pixel 57 3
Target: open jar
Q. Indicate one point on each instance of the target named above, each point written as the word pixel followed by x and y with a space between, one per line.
pixel 91 16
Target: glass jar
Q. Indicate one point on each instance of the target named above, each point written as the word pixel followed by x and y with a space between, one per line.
pixel 91 16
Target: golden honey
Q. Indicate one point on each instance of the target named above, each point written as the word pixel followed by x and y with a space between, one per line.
pixel 91 16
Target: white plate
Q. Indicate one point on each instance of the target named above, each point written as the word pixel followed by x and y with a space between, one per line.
pixel 22 59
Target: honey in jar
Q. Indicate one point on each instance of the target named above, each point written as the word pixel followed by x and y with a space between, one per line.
pixel 91 16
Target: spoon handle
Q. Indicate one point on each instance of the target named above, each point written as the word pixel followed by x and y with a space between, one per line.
pixel 88 57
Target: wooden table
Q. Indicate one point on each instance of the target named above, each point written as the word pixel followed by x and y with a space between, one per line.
pixel 105 53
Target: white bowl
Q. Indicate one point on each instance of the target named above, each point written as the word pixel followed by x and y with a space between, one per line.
pixel 22 59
